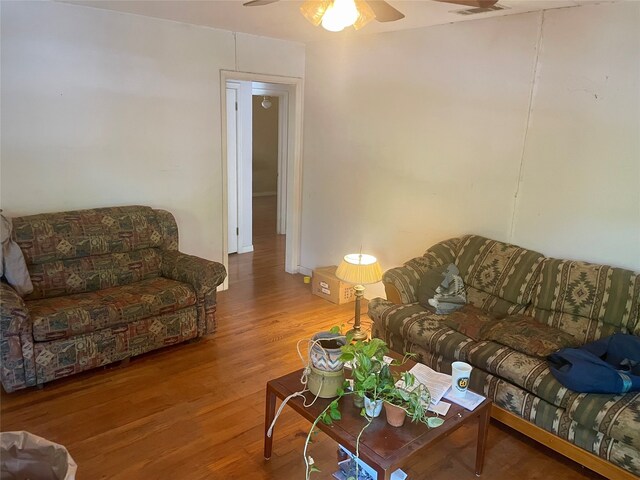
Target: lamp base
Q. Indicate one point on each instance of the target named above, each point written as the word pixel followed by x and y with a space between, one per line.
pixel 358 335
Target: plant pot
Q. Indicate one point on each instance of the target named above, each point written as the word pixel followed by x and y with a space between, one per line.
pixel 325 384
pixel 325 352
pixel 395 414
pixel 372 408
pixel 358 400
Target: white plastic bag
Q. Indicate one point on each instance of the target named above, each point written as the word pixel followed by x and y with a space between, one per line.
pixel 24 456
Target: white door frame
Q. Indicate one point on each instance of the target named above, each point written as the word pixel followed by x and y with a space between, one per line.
pixel 232 168
pixel 281 92
pixel 293 169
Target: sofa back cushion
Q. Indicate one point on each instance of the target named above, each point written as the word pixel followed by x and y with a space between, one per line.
pixel 587 300
pixel 500 270
pixel 87 250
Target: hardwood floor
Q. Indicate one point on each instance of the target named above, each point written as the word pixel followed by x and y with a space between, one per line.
pixel 196 410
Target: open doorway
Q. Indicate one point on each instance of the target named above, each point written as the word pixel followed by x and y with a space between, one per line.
pixel 264 167
pixel 261 162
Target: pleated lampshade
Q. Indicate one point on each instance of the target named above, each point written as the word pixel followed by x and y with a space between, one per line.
pixel 359 268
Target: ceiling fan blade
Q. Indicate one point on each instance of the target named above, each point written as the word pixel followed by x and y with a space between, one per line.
pixel 258 3
pixel 471 3
pixel 385 12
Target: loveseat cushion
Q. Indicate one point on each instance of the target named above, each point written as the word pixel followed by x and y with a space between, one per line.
pixel 87 274
pixel 63 235
pixel 64 317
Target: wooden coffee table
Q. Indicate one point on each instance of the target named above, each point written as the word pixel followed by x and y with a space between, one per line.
pixel 383 447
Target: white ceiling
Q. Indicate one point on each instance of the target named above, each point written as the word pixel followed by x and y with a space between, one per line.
pixel 283 19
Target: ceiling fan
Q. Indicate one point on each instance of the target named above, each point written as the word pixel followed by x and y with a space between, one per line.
pixel 335 15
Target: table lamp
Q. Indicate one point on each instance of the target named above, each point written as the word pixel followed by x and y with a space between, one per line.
pixel 360 269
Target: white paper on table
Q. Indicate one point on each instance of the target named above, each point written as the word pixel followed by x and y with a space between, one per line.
pixel 470 401
pixel 441 408
pixel 437 383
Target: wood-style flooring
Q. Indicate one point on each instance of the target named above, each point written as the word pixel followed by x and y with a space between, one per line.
pixel 196 410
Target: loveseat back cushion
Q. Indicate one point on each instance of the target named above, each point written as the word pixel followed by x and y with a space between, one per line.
pixel 71 315
pixel 49 237
pixel 506 271
pixel 88 274
pixel 587 300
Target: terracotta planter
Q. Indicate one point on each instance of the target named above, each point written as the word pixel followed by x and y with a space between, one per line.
pixel 395 415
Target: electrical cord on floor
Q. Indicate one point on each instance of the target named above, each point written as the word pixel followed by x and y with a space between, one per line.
pixel 304 380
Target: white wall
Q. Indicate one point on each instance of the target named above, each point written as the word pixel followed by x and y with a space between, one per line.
pixel 102 108
pixel 580 191
pixel 417 136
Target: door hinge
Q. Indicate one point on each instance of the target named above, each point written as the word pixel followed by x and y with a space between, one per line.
pixel 236 106
pixel 237 231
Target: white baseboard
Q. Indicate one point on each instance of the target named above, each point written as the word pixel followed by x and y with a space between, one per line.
pixel 247 249
pixel 305 271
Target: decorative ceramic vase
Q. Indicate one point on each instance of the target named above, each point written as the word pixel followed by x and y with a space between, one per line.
pixel 372 408
pixel 395 414
pixel 325 351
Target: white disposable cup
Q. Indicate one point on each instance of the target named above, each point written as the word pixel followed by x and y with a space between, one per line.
pixel 460 375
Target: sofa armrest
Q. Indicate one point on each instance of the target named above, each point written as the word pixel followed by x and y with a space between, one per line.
pixel 401 284
pixel 204 276
pixel 16 341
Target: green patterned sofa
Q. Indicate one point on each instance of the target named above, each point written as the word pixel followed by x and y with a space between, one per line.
pixel 109 284
pixel 585 300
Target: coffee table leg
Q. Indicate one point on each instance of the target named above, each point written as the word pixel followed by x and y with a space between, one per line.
pixel 269 414
pixel 483 430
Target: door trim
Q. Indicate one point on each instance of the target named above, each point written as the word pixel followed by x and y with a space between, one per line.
pixel 294 164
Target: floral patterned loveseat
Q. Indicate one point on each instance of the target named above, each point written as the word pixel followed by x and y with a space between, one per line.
pixel 587 301
pixel 109 284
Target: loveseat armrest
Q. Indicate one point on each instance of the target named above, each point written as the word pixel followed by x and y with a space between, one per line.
pixel 204 276
pixel 16 341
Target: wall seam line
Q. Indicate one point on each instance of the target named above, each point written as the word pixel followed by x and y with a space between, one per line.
pixel 526 128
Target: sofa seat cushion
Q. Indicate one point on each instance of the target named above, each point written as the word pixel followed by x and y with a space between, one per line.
pixel 420 326
pixel 64 317
pixel 616 416
pixel 529 373
pixel 527 335
pixel 470 321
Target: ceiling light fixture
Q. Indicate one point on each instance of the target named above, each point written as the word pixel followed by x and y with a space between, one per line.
pixel 336 15
pixel 266 102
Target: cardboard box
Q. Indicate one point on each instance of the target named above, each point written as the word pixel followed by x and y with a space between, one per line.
pixel 325 284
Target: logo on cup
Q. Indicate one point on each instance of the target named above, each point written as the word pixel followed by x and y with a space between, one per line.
pixel 463 383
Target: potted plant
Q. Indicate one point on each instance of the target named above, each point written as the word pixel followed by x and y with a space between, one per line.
pixel 372 380
pixel 367 363
pixel 408 398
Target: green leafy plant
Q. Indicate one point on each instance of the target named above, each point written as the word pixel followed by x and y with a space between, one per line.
pixel 371 376
pixel 413 397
